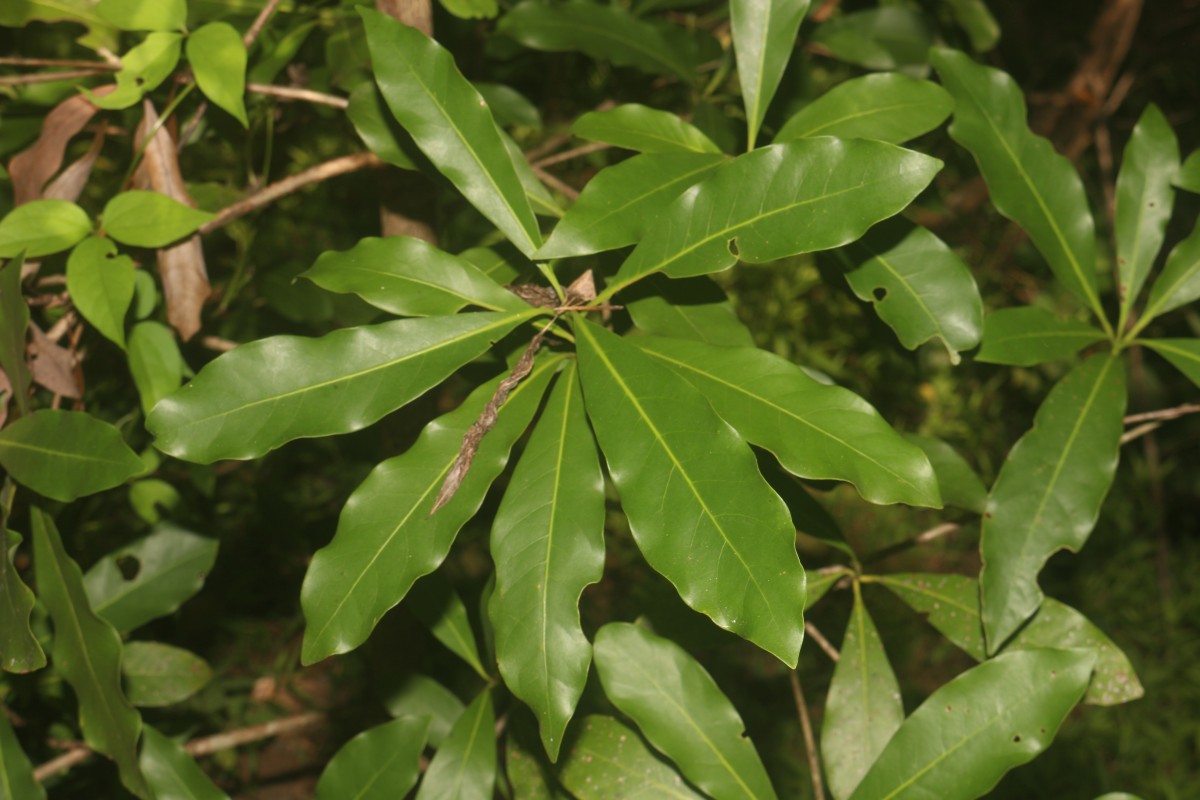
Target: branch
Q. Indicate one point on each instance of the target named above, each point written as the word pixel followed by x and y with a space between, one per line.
pixel 934 533
pixel 1164 414
pixel 21 61
pixel 259 23
pixel 567 155
pixel 295 93
pixel 810 742
pixel 49 77
pixel 556 184
pixel 821 641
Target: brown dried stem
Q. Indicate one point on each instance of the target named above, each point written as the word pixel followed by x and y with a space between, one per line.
pixel 296 93
pixel 567 155
pixel 810 741
pixel 49 77
pixel 21 61
pixel 556 184
pixel 259 23
pixel 815 634
pixel 1163 414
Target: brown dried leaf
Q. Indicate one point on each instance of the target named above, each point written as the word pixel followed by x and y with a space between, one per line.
pixel 52 366
pixel 70 182
pixel 582 289
pixel 33 167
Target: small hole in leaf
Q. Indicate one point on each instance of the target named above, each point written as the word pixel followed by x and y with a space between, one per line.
pixel 987 515
pixel 879 293
pixel 1017 739
pixel 129 567
pixel 733 247
pixel 139 81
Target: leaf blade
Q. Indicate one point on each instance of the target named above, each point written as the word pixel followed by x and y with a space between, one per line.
pixel 218 59
pixel 101 286
pixel 66 454
pixel 173 774
pixel 634 126
pixel 42 228
pixel 608 754
pixel 1031 335
pixel 464 767
pixel 150 219
pixel 379 763
pixel 887 106
pixel 764 34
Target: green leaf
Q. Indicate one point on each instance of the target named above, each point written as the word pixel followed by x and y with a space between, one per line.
pixel 974 17
pixel 1030 335
pixel 688 308
pixel 738 562
pixel 818 194
pixel 386 538
pixel 1144 201
pixel 819 582
pixel 155 362
pixel 255 398
pixel 150 219
pixel 159 675
pixel 950 602
pixel 548 545
pixel 66 454
pixel 380 763
pixel 962 740
pixel 409 277
pixel 621 204
pixel 437 605
pixel 19 648
pixel 960 486
pixel 1188 177
pixel 539 197
pixel 863 709
pixel 379 130
pixel 889 107
pixel 87 652
pixel 144 15
pixel 464 767
pixel 150 577
pixel 503 264
pixel 609 761
pixel 14 324
pixel 472 9
pixel 509 107
pixel 680 710
pixel 42 228
pixel 1183 353
pixel 604 32
pixel 817 431
pixel 764 35
pixel 173 774
pixel 1048 493
pixel 418 695
pixel 889 37
pixel 143 68
pixel 647 130
pixel 101 285
pixel 150 498
pixel 918 286
pixel 218 59
pixel 529 772
pixel 99 32
pixel 1029 183
pixel 451 124
pixel 1179 282
pixel 16 773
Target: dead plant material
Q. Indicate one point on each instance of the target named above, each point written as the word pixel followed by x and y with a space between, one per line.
pixel 70 182
pixel 32 168
pixel 52 366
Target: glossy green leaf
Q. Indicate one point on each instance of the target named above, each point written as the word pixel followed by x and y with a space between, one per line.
pixel 548 545
pixel 888 106
pixel 451 124
pixel 155 362
pixel 42 228
pixel 172 773
pixel 380 763
pixel 680 710
pixel 144 15
pixel 149 219
pixel 609 761
pixel 14 325
pixel 218 60
pixel 974 17
pixel 437 605
pixel 949 602
pixel 464 767
pixel 1179 282
pixel 601 31
pixel 808 515
pixel 150 577
pixel 1183 353
pixel 503 264
pixel 66 454
pixel 386 538
pixel 764 35
pixel 818 194
pixel 621 204
pixel 884 38
pixel 863 708
pixel 539 197
pixel 509 107
pixel 257 397
pixel 19 648
pixel 1188 177
pixel 1144 201
pixel 378 129
pixel 647 130
pixel 1029 182
pixel 1030 335
pixel 101 285
pixel 87 653
pixel 817 431
pixel 959 484
pixel 918 286
pixel 409 277
pixel 418 695
pixel 159 674
pixel 472 9
pixel 16 773
pixel 529 772
pixel 738 562
pixel 151 497
pixel 687 308
pixel 143 68
pixel 962 740
pixel 1048 493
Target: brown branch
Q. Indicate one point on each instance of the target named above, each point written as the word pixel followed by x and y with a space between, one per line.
pixel 259 23
pixel 61 763
pixel 567 155
pixel 934 533
pixel 821 641
pixel 296 93
pixel 21 61
pixel 1139 432
pixel 554 183
pixel 48 77
pixel 218 344
pixel 549 146
pixel 1163 414
pixel 810 741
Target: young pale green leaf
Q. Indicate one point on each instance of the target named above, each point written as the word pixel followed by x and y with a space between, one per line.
pixel 158 675
pixel 608 761
pixel 548 545
pixel 143 68
pixel 688 308
pixel 173 774
pixel 962 740
pixel 1048 493
pixel 764 35
pixel 149 219
pixel 918 286
pixel 170 566
pixel 144 15
pixel 155 362
pixel 1029 183
pixel 1183 353
pixel 863 709
pixel 1030 335
pixel 16 773
pixel 381 763
pixel 259 396
pixel 101 285
pixel 218 60
pixel 386 537
pixel 417 695
pixel 621 204
pixel 889 107
pixel 472 9
pixel 451 124
pixel 66 454
pixel 884 38
pixel 19 648
pixel 605 32
pixel 817 194
pixel 680 710
pixel 738 562
pixel 959 484
pixel 1144 201
pixel 14 325
pixel 378 129
pixel 87 653
pixel 647 130
pixel 42 228
pixel 817 431
pixel 437 605
pixel 409 277
pixel 1188 177
pixel 1179 282
pixel 974 17
pixel 464 767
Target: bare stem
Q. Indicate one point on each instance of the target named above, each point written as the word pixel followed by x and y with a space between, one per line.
pixel 567 155
pixel 1163 414
pixel 49 77
pixel 259 23
pixel 296 93
pixel 810 741
pixel 21 61
pixel 814 632
pixel 556 184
